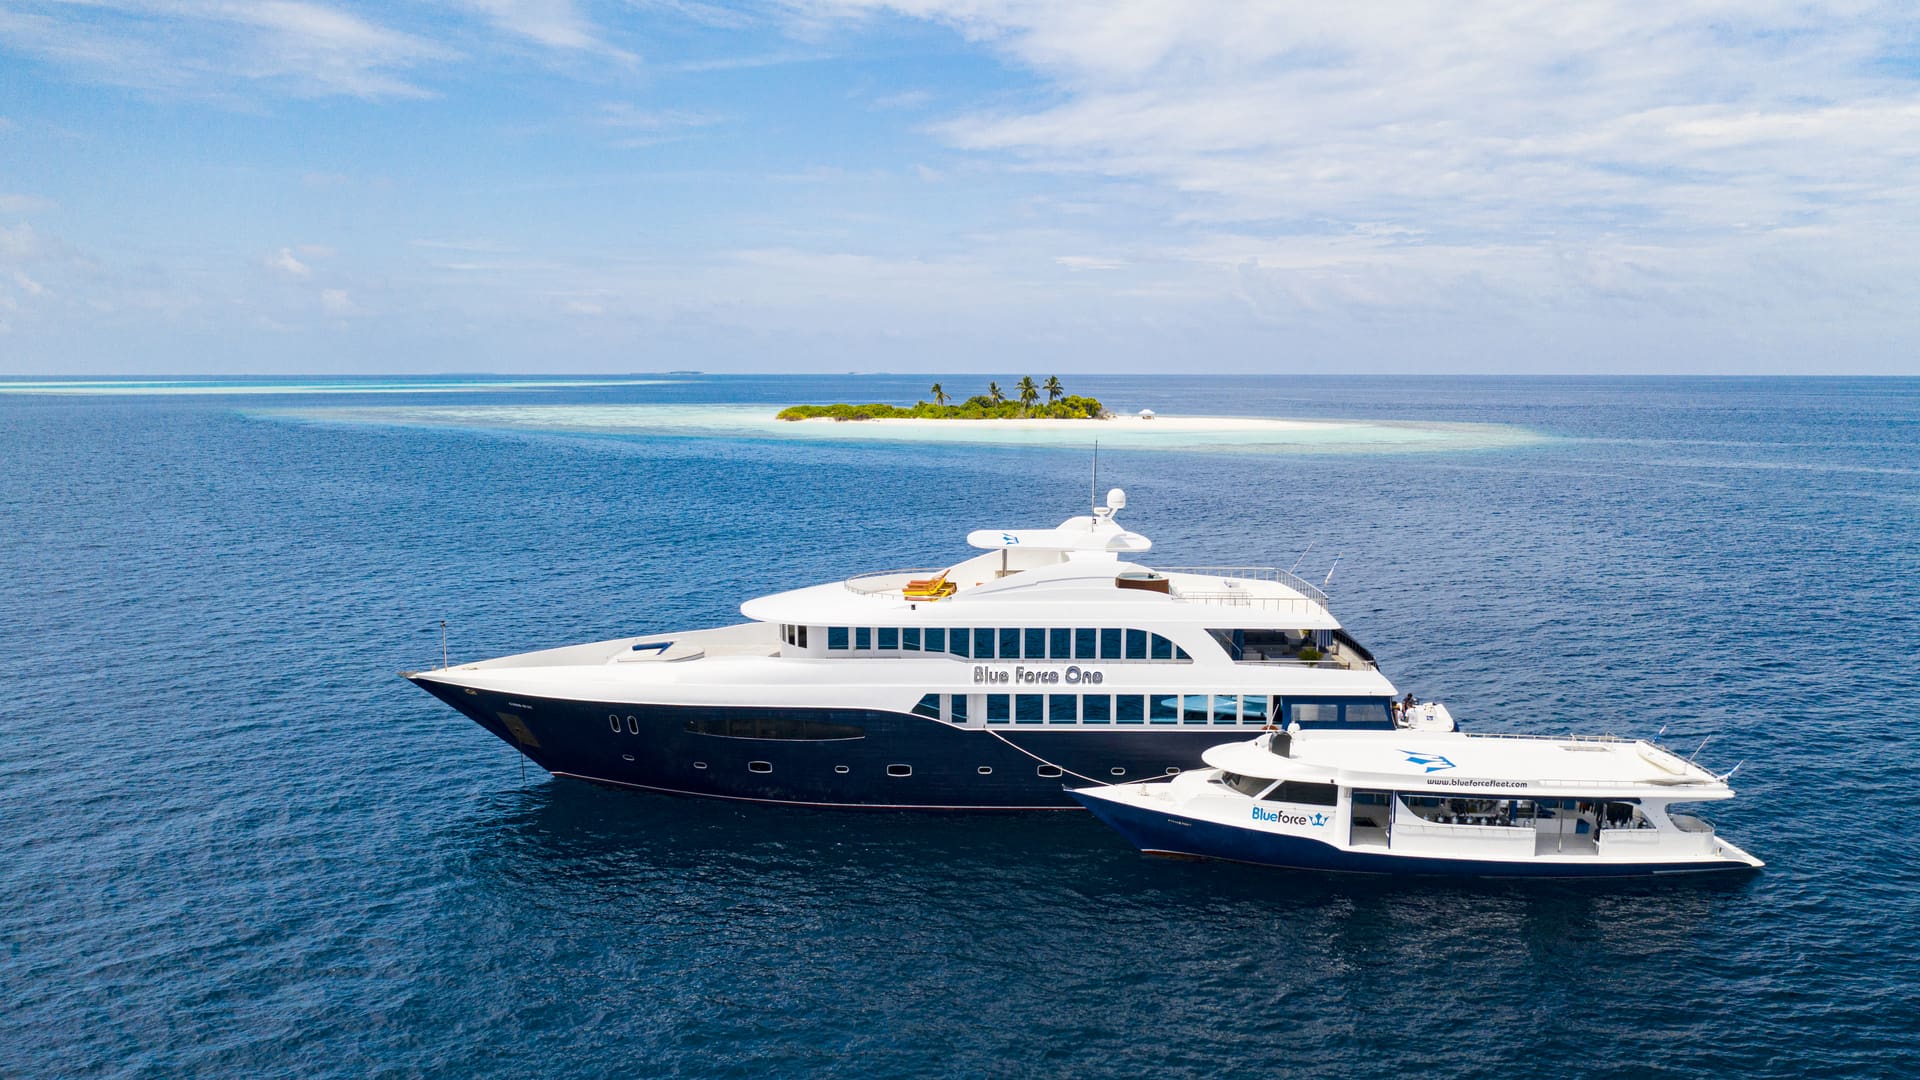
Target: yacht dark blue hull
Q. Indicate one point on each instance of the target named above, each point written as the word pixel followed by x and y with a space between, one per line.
pixel 1161 832
pixel 824 757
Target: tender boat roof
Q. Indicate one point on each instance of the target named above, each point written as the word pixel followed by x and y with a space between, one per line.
pixel 1460 762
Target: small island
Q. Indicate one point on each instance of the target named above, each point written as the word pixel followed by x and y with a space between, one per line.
pixel 992 405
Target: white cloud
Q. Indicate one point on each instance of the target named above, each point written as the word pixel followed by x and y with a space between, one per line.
pixel 336 301
pixel 285 262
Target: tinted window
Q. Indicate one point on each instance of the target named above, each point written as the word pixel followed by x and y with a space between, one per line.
pixel 1226 709
pixel 929 707
pixel 1062 644
pixel 910 639
pixel 761 726
pixel 1009 643
pixel 960 639
pixel 1109 644
pixel 889 637
pixel 863 638
pixel 1027 708
pixel 836 637
pixel 936 640
pixel 1253 709
pixel 982 644
pixel 803 637
pixel 1096 709
pixel 1311 713
pixel 1062 709
pixel 1136 644
pixel 1368 714
pixel 1129 709
pixel 1036 644
pixel 1299 791
pixel 959 708
pixel 999 708
pixel 1163 708
pixel 1083 645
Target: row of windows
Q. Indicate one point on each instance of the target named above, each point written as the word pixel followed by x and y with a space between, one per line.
pixel 1003 643
pixel 1288 791
pixel 1195 709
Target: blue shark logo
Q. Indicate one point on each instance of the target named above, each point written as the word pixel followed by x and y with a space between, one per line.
pixel 1434 762
pixel 1009 538
pixel 1320 819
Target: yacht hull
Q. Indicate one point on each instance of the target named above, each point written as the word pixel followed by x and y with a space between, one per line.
pixel 661 748
pixel 1162 831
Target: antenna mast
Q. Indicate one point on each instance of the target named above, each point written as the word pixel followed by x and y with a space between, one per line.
pixel 1093 486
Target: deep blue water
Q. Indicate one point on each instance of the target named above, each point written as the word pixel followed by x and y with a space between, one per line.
pixel 233 842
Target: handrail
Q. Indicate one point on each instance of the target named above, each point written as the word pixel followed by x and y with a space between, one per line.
pixel 1255 573
pixel 1301 604
pixel 899 578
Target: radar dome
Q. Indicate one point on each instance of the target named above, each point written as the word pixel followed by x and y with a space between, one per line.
pixel 1116 499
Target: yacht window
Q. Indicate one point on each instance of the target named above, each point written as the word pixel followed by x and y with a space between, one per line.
pixel 1162 648
pixel 836 637
pixel 899 770
pixel 1063 709
pixel 1371 714
pixel 890 638
pixel 1061 644
pixel 1036 643
pixel 764 726
pixel 760 766
pixel 985 770
pixel 1027 708
pixel 803 637
pixel 1129 709
pixel 1253 709
pixel 613 722
pixel 1180 653
pixel 957 708
pixel 910 639
pixel 1118 771
pixel 1306 713
pixel 1009 643
pixel 1249 786
pixel 1096 709
pixel 1110 643
pixel 960 639
pixel 928 707
pixel 1226 709
pixel 1163 709
pixel 863 638
pixel 999 708
pixel 842 770
pixel 1083 645
pixel 1300 791
pixel 936 639
pixel 982 643
pixel 1136 644
pixel 633 725
pixel 1048 771
pixel 1195 710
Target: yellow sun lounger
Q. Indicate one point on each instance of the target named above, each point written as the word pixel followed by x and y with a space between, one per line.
pixel 933 588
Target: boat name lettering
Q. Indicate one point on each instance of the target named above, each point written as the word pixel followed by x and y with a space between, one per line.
pixel 1074 675
pixel 1467 781
pixel 1283 817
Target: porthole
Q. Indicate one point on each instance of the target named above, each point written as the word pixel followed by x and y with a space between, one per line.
pixel 699 764
pixel 985 770
pixel 614 723
pixel 841 770
pixel 1117 771
pixel 1173 770
pixel 633 725
pixel 760 766
pixel 899 770
pixel 1047 771
pixel 626 757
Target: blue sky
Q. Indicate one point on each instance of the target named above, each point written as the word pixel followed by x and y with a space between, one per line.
pixel 955 185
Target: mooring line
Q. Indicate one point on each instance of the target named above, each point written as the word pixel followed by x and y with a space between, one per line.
pixel 1050 764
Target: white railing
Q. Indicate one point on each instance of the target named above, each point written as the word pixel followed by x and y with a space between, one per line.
pixel 889 582
pixel 1294 604
pixel 1256 573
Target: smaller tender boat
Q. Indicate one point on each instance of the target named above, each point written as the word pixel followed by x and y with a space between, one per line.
pixel 1432 802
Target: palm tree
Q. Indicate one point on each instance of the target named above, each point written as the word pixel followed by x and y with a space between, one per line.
pixel 1029 393
pixel 939 394
pixel 993 391
pixel 1054 389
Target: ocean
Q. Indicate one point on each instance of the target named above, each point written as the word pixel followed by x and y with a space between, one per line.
pixel 235 842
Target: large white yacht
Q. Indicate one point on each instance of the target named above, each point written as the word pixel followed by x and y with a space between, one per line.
pixel 975 686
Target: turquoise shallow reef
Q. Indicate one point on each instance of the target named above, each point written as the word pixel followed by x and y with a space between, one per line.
pixel 235 842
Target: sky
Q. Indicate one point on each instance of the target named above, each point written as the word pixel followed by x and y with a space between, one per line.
pixel 549 186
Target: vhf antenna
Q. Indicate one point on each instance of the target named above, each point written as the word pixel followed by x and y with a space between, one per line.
pixel 1093 486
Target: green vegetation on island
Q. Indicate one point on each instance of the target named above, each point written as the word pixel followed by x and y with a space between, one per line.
pixel 992 405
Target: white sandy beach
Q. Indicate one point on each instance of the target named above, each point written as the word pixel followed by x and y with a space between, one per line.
pixel 1130 424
